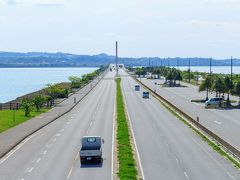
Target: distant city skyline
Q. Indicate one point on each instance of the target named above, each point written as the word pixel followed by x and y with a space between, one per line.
pixel 143 28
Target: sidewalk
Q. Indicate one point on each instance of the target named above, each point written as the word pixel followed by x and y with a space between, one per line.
pixel 12 137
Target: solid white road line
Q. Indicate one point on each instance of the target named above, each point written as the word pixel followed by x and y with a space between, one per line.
pixel 16 148
pixel 113 137
pixel 70 172
pixel 134 140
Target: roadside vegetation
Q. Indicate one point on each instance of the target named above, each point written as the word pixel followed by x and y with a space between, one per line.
pixel 127 164
pixel 221 84
pixel 11 118
pixel 36 103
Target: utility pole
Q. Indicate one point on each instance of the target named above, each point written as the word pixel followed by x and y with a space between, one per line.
pixel 116 58
pixel 189 71
pixel 210 73
pixel 231 67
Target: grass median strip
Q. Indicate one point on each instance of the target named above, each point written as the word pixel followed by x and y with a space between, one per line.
pixel 127 164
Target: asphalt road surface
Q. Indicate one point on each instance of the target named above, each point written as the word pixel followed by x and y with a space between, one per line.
pixel 167 148
pixel 52 152
pixel 224 122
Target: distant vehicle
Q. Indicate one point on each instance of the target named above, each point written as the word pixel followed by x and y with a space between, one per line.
pixel 213 102
pixel 145 94
pixel 137 87
pixel 91 150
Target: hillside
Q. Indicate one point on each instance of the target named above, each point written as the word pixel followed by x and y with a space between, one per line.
pixel 44 59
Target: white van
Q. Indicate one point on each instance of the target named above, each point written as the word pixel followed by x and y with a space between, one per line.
pixel 213 102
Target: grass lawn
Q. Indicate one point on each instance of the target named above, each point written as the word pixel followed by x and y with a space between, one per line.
pixel 7 118
pixel 127 164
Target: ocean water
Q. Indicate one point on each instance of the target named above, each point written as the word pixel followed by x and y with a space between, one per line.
pixel 15 82
pixel 215 69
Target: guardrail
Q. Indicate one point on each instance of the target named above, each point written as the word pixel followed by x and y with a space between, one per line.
pixel 214 136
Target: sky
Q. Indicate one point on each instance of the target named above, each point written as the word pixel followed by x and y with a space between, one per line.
pixel 143 28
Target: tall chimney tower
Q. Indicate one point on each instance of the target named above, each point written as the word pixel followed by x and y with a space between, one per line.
pixel 117 58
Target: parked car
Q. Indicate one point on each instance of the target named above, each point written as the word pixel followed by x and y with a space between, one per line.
pixel 214 102
pixel 145 94
pixel 137 87
pixel 91 150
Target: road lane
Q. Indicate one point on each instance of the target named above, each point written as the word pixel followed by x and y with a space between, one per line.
pixel 52 153
pixel 228 124
pixel 169 149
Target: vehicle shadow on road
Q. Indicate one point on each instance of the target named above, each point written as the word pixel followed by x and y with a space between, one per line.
pixel 89 165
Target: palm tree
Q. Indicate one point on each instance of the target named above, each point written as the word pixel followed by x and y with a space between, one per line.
pixel 205 86
pixel 237 90
pixel 218 86
pixel 228 88
pixel 178 76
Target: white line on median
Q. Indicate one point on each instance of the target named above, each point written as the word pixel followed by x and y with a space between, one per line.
pixel 134 140
pixel 113 136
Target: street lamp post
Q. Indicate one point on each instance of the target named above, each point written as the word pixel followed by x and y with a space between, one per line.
pixel 189 71
pixel 231 67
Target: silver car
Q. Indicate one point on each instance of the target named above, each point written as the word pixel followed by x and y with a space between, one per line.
pixel 214 102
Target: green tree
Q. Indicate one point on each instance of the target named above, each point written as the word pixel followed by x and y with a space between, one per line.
pixel 237 90
pixel 228 88
pixel 218 86
pixel 75 81
pixel 54 92
pixel 38 101
pixel 27 106
pixel 170 77
pixel 178 77
pixel 205 86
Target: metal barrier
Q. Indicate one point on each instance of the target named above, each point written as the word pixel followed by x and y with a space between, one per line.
pixel 10 106
pixel 217 138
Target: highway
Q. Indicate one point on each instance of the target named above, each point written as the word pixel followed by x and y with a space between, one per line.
pixel 167 148
pixel 52 152
pixel 223 122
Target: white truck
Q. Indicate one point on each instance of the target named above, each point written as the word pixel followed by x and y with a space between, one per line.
pixel 91 149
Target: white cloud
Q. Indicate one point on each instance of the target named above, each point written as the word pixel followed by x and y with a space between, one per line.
pixel 105 11
pixel 34 2
pixel 132 20
pixel 3 18
pixel 218 24
pixel 225 3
